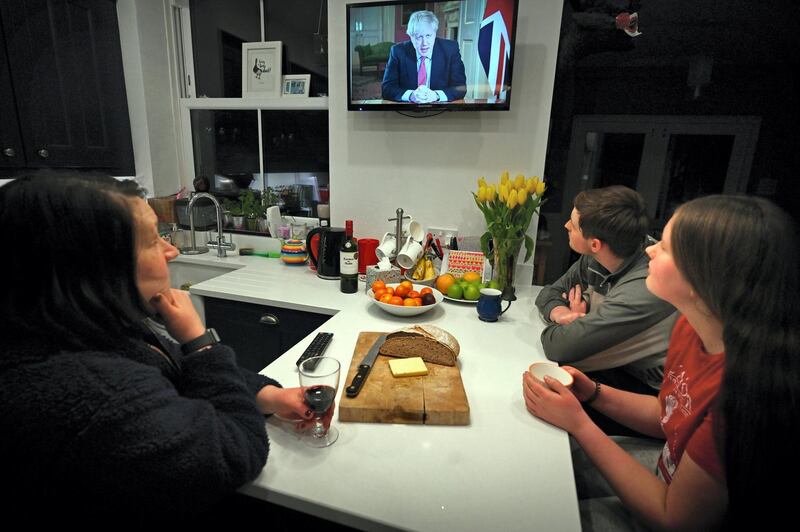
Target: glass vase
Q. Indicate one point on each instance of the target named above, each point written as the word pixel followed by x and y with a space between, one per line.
pixel 506 251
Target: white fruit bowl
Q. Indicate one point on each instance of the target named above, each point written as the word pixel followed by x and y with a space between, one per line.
pixel 398 310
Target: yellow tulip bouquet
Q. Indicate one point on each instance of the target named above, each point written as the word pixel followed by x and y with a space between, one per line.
pixel 508 208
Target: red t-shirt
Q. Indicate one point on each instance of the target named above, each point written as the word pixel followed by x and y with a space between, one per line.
pixel 691 382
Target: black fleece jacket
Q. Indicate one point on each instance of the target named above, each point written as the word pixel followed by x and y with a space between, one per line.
pixel 128 433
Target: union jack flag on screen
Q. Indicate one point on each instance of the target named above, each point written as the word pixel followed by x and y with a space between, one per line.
pixel 494 43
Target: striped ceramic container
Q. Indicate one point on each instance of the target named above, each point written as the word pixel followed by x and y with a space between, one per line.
pixel 294 252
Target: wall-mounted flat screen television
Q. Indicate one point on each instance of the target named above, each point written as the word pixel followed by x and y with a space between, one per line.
pixel 419 56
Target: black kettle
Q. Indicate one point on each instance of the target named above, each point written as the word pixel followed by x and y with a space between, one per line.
pixel 326 256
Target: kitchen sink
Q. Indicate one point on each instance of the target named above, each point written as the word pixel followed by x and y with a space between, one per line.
pixel 184 274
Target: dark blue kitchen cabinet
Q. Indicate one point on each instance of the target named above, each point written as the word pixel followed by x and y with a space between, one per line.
pixel 62 94
pixel 259 333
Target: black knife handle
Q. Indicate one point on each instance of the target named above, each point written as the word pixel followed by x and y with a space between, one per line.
pixel 358 380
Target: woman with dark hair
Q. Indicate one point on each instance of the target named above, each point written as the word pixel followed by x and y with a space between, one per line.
pixel 105 412
pixel 728 405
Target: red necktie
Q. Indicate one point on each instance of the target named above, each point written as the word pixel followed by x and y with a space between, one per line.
pixel 422 75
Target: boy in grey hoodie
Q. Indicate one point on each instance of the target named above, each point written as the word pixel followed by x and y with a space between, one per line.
pixel 601 315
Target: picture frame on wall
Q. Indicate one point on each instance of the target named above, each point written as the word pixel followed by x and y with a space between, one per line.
pixel 261 69
pixel 296 85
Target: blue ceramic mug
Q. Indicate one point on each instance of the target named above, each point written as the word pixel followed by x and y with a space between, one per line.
pixel 489 304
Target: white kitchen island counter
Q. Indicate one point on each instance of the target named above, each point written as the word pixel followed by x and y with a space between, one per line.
pixel 505 471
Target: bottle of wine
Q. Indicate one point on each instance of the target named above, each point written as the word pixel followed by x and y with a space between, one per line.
pixel 348 261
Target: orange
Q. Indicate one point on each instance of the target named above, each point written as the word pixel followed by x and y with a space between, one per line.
pixel 378 293
pixel 390 290
pixel 378 284
pixel 409 302
pixel 425 290
pixel 386 298
pixel 413 294
pixel 444 281
pixel 396 300
pixel 472 276
pixel 402 290
pixel 418 301
pixel 407 284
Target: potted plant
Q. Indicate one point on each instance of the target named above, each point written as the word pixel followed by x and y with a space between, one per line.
pixel 227 211
pixel 262 212
pixel 235 210
pixel 250 208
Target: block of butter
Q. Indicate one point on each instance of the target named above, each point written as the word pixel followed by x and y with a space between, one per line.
pixel 408 367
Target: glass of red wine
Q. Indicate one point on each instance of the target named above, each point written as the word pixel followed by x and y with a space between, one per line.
pixel 320 377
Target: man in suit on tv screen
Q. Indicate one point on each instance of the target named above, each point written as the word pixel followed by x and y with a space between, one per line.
pixel 425 69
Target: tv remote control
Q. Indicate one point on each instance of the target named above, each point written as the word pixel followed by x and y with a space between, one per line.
pixel 315 349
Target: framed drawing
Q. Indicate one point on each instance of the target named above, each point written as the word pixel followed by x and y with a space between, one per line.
pixel 261 69
pixel 296 85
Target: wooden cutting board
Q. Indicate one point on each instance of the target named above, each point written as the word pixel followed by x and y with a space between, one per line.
pixel 437 398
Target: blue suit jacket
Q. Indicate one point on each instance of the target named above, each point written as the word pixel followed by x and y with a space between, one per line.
pixel 447 70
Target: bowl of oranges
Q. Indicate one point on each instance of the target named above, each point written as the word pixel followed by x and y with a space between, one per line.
pixel 404 299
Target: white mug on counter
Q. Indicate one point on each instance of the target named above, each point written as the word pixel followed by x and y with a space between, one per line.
pixel 410 254
pixel 386 249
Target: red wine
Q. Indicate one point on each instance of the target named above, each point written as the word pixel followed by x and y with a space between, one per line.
pixel 319 398
pixel 348 262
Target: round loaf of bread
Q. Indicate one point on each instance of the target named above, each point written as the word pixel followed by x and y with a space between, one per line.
pixel 427 341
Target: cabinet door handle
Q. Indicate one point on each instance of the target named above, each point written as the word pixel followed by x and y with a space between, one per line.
pixel 269 319
pixel 43 153
pixel 9 152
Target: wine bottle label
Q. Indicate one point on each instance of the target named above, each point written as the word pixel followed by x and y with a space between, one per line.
pixel 348 263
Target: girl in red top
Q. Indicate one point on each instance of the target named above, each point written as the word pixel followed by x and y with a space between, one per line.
pixel 728 406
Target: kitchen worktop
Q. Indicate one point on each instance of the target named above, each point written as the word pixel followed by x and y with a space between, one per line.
pixel 505 471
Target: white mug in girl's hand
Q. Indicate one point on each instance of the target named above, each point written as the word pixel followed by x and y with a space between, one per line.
pixel 410 254
pixel 540 370
pixel 386 249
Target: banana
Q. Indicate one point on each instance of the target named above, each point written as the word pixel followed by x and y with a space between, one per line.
pixel 419 270
pixel 430 273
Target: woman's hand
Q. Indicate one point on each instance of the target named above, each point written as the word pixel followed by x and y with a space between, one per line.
pixel 553 402
pixel 179 315
pixel 289 403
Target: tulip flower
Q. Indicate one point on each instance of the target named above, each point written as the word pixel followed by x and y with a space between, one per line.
pixel 540 188
pixel 519 182
pixel 512 199
pixel 490 193
pixel 522 196
pixel 481 182
pixel 504 178
pixel 482 194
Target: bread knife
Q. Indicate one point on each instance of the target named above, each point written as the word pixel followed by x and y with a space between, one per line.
pixel 364 367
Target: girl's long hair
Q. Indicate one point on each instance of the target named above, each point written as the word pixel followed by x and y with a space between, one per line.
pixel 740 254
pixel 70 274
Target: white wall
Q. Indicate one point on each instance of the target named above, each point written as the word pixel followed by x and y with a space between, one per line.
pixel 380 161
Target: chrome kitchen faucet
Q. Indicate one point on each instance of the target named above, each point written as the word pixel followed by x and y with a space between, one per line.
pixel 220 245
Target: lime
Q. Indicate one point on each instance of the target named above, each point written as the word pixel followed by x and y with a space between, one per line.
pixel 494 283
pixel 455 291
pixel 483 285
pixel 472 293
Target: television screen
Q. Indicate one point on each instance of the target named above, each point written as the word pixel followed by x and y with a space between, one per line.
pixel 441 54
